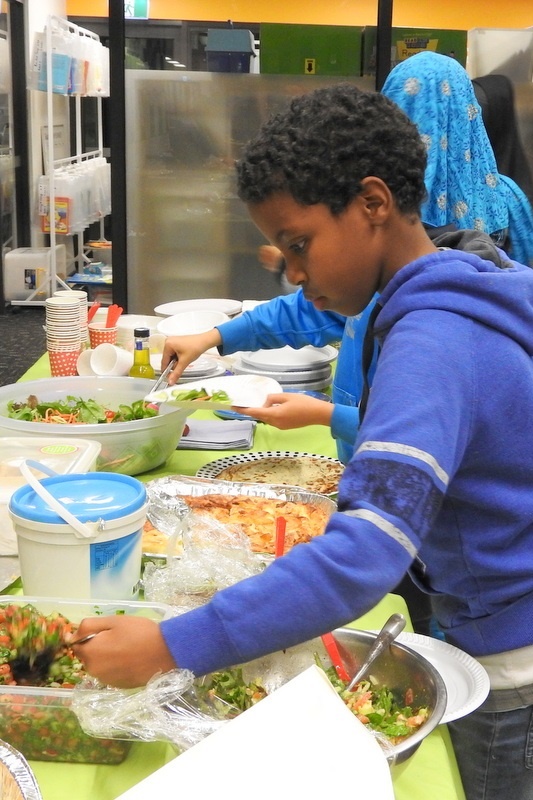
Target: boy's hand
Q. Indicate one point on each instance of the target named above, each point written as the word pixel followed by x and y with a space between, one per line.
pixel 286 411
pixel 127 651
pixel 187 349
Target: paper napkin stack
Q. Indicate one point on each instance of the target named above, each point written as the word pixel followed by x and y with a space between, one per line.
pixel 206 434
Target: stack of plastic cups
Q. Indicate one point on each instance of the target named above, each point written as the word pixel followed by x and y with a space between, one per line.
pixel 84 308
pixel 63 338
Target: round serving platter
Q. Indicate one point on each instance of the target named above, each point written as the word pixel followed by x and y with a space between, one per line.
pixel 309 471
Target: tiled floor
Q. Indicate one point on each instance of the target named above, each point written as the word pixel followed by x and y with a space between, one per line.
pixel 22 341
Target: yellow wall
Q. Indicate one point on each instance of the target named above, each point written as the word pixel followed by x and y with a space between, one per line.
pixel 450 14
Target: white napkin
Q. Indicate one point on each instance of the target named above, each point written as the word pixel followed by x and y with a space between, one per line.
pixel 206 434
pixel 300 741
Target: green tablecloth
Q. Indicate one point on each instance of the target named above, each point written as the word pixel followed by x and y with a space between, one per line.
pixel 430 773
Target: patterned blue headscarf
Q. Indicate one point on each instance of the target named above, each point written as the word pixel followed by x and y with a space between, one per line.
pixel 462 178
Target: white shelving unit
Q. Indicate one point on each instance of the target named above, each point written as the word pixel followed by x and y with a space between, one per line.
pixel 50 280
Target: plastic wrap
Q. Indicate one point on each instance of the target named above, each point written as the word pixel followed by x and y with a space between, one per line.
pixel 213 557
pixel 166 709
pixel 177 708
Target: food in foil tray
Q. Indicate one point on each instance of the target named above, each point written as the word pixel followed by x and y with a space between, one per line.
pixel 254 509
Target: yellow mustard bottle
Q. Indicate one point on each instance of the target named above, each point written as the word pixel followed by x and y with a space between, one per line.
pixel 141 367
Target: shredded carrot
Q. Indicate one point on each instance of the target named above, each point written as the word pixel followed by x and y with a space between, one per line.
pixel 51 415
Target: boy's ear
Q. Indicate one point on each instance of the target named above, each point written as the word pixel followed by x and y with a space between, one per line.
pixel 376 198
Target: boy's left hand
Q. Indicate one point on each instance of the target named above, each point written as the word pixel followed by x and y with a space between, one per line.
pixel 286 411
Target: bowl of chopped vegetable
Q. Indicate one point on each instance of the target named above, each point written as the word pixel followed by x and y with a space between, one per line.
pixel 401 700
pixel 36 713
pixel 135 436
pixel 403 697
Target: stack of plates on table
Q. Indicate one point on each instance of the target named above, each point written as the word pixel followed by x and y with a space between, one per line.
pixel 203 367
pixel 308 368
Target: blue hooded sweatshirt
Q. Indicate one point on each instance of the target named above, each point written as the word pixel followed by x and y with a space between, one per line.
pixel 440 482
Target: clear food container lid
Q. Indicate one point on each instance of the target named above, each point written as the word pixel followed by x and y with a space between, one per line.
pixel 96 495
pixel 60 455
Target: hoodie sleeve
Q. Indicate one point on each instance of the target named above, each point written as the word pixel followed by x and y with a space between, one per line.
pixel 389 497
pixel 345 422
pixel 286 320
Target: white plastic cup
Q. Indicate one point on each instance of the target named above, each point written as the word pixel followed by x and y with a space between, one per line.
pixel 108 359
pixel 83 364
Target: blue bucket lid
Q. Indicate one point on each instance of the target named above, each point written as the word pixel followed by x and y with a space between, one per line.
pixel 89 496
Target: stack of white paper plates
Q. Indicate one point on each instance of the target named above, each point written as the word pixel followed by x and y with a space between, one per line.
pixel 306 368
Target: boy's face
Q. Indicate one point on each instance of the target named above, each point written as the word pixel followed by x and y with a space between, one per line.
pixel 336 259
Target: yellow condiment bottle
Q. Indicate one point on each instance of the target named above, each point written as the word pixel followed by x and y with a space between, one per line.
pixel 141 367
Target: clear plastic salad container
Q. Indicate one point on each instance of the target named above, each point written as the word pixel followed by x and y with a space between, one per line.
pixel 38 720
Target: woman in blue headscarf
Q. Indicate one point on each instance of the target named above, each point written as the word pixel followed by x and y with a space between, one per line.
pixel 462 180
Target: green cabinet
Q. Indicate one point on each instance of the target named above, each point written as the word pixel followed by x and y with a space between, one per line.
pixel 310 49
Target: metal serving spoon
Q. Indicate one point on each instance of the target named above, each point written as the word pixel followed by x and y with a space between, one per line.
pixel 394 625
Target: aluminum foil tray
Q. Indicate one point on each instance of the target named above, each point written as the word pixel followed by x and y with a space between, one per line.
pixel 166 509
pixel 17 781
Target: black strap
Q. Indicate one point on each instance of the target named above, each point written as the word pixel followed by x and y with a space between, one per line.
pixel 366 359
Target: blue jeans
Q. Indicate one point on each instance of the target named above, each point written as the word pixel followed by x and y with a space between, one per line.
pixel 495 754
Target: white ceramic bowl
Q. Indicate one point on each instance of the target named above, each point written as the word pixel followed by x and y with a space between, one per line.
pixel 128 322
pixel 127 447
pixel 188 322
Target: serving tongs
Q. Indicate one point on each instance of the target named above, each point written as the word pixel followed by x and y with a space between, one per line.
pixel 162 381
pixel 328 640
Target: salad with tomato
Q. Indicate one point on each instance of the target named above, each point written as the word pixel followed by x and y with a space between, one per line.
pixel 35 695
pixel 75 411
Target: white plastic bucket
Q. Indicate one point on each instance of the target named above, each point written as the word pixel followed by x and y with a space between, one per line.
pixel 80 535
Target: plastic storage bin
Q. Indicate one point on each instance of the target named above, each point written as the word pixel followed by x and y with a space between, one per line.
pixel 26 268
pixel 38 721
pixel 63 455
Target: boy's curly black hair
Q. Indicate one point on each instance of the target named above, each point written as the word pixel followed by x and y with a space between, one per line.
pixel 322 146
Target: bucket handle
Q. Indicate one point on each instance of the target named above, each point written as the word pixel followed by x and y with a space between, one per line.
pixel 82 529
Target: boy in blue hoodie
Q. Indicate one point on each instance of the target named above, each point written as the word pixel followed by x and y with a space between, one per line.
pixel 441 476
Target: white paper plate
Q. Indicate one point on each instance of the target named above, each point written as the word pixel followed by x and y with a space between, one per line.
pixel 185 323
pixel 243 390
pixel 288 358
pixel 229 307
pixel 467 682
